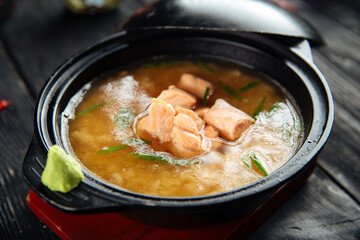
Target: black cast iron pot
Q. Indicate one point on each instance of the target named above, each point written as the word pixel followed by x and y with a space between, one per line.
pixel 288 61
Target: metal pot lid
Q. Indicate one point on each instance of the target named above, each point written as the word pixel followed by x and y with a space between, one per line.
pixel 226 15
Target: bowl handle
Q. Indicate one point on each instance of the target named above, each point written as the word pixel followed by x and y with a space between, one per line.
pixel 303 50
pixel 85 198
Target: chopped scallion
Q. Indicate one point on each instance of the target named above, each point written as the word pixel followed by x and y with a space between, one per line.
pixel 111 149
pixel 248 86
pixel 259 107
pixel 230 91
pixel 162 158
pixel 258 163
pixel 89 109
pixel 207 67
pixel 273 109
pixel 124 118
pixel 247 162
pixel 206 96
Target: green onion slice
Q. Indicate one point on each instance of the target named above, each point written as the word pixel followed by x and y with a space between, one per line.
pixel 247 162
pixel 162 158
pixel 89 109
pixel 206 67
pixel 124 118
pixel 259 107
pixel 111 149
pixel 206 96
pixel 230 91
pixel 273 109
pixel 258 163
pixel 249 86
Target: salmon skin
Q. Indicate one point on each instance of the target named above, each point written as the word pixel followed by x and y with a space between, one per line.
pixel 195 85
pixel 177 97
pixel 229 121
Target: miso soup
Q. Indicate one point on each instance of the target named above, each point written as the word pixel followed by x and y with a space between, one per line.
pixel 182 128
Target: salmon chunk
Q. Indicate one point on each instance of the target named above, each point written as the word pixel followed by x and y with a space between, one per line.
pixel 195 85
pixel 213 136
pixel 186 139
pixel 199 122
pixel 177 97
pixel 201 111
pixel 229 121
pixel 159 122
pixel 140 128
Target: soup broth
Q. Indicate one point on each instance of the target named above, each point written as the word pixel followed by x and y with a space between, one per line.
pixel 104 129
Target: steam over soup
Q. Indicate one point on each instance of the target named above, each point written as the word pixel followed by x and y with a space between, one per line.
pixel 181 128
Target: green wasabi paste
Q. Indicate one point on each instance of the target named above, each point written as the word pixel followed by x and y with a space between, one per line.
pixel 62 173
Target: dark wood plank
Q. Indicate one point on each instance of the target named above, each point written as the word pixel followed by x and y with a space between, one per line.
pixel 337 60
pixel 341 155
pixel 334 215
pixel 345 12
pixel 16 129
pixel 342 43
pixel 42 34
pixel 343 62
pixel 345 88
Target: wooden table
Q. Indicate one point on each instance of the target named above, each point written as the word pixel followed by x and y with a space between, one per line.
pixel 41 34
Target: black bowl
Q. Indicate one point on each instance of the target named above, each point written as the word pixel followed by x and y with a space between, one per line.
pixel 282 61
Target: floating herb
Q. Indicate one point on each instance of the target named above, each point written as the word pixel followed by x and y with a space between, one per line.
pixel 248 86
pixel 161 63
pixel 124 118
pixel 230 91
pixel 273 109
pixel 111 149
pixel 135 141
pixel 247 162
pixel 258 163
pixel 206 96
pixel 162 158
pixel 206 67
pixel 89 109
pixel 259 107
